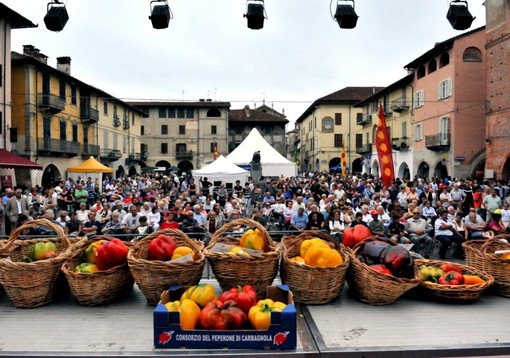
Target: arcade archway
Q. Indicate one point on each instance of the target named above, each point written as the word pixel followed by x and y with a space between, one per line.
pixel 440 170
pixel 423 170
pixel 403 171
pixel 50 176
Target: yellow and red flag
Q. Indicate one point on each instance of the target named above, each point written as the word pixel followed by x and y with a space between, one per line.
pixel 383 145
pixel 216 151
pixel 343 161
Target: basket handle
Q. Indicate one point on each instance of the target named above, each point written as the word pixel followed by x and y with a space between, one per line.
pixel 485 246
pixel 243 221
pixel 34 223
pixel 172 232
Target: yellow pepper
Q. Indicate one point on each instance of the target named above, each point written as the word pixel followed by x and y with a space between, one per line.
pixel 260 314
pixel 306 244
pixel 297 260
pixel 201 294
pixel 181 251
pixel 189 312
pixel 90 252
pixel 320 256
pixel 253 239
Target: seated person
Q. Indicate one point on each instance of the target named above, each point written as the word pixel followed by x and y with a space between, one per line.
pixel 397 231
pixel 476 227
pixel 143 229
pixel 114 226
pixel 376 226
pixel 91 226
pixel 418 230
pixel 496 224
pixel 358 220
pixel 169 222
pixel 299 220
pixel 446 234
pixel 314 222
pixel 189 224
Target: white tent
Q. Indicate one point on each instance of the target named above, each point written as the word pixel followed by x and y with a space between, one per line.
pixel 222 170
pixel 273 163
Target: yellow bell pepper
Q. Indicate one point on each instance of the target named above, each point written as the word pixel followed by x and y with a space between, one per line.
pixel 86 267
pixel 173 306
pixel 320 256
pixel 306 244
pixel 260 314
pixel 181 251
pixel 201 294
pixel 253 239
pixel 90 252
pixel 189 314
pixel 297 260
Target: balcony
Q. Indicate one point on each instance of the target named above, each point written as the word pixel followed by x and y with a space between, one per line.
pixel 49 147
pixel 88 150
pixel 364 148
pixel 137 158
pixel 364 119
pixel 437 142
pixel 110 155
pixel 400 143
pixel 50 102
pixel 401 104
pixel 89 115
pixel 184 155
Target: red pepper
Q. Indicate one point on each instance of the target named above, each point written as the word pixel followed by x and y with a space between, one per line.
pixel 448 266
pixel 451 278
pixel 219 315
pixel 161 248
pixel 381 268
pixel 110 254
pixel 245 296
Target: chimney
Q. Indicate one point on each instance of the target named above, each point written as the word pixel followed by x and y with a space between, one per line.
pixel 64 64
pixel 29 50
pixel 247 111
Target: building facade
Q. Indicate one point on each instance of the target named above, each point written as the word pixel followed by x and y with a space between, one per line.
pixel 60 120
pixel 183 135
pixel 497 131
pixel 449 107
pixel 396 100
pixel 328 123
pixel 270 123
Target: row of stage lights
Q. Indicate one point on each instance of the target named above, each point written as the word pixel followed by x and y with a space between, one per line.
pixel 458 14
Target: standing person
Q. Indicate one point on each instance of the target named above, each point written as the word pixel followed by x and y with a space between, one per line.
pixel 446 234
pixel 491 203
pixel 16 206
pixel 8 225
pixel 80 195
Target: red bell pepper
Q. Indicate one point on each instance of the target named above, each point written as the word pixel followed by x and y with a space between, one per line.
pixel 382 269
pixel 448 266
pixel 161 248
pixel 219 315
pixel 451 278
pixel 110 254
pixel 245 296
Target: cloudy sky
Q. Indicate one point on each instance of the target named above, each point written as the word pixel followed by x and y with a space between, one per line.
pixel 301 54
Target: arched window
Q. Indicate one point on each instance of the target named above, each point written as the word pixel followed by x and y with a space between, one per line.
pixel 421 72
pixel 213 113
pixel 444 59
pixel 472 54
pixel 432 66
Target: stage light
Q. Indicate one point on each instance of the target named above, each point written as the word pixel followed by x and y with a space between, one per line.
pixel 345 14
pixel 160 14
pixel 459 16
pixel 255 14
pixel 56 16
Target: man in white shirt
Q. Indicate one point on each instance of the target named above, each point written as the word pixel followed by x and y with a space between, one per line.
pixel 418 228
pixel 132 220
pixel 446 234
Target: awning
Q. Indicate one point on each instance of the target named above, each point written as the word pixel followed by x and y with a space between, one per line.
pixel 11 160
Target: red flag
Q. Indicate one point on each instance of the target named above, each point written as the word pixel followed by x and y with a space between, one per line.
pixel 383 145
pixel 216 151
pixel 343 161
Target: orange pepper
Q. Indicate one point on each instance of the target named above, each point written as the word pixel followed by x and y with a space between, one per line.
pixel 473 280
pixel 320 256
pixel 306 244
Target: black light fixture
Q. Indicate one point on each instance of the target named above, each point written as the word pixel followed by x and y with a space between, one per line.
pixel 255 14
pixel 459 16
pixel 345 14
pixel 160 14
pixel 56 16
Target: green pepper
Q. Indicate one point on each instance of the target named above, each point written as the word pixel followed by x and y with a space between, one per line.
pixel 86 267
pixel 42 251
pixel 90 252
pixel 430 273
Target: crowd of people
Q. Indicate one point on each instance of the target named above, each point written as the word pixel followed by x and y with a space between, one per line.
pixel 417 211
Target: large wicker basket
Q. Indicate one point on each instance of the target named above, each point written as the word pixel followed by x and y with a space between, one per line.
pixel 100 287
pixel 153 277
pixel 31 284
pixel 496 265
pixel 474 256
pixel 258 270
pixel 373 287
pixel 312 285
pixel 453 293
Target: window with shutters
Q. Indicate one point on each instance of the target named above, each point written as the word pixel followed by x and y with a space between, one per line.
pixel 164 148
pixel 445 89
pixel 418 132
pixel 419 99
pixel 338 119
pixel 338 141
pixel 162 112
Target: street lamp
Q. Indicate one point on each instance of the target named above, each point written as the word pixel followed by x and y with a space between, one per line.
pixel 255 14
pixel 459 16
pixel 56 16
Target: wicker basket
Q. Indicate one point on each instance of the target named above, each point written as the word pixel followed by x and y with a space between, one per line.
pixel 474 256
pixel 153 277
pixel 497 266
pixel 312 285
pixel 258 270
pixel 31 284
pixel 100 287
pixel 453 293
pixel 373 287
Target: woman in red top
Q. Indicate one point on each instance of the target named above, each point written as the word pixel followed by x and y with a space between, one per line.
pixel 169 223
pixel 496 225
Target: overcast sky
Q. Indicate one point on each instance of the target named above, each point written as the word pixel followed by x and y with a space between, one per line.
pixel 301 54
